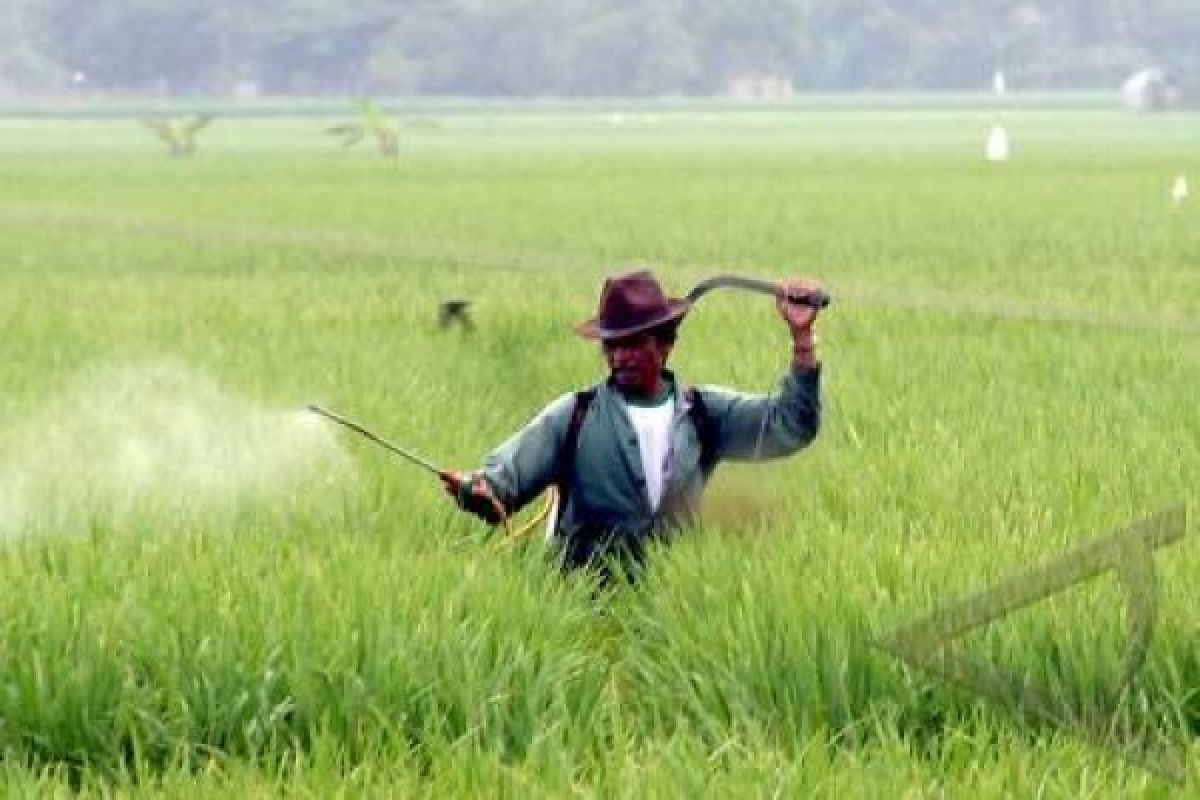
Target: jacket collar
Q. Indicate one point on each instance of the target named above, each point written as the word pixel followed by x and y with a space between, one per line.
pixel 679 392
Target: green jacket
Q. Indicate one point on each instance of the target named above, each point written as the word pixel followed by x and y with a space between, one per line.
pixel 607 503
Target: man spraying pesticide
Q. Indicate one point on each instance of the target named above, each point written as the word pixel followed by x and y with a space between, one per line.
pixel 629 458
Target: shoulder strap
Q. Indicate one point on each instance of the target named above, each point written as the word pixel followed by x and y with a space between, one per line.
pixel 566 454
pixel 706 430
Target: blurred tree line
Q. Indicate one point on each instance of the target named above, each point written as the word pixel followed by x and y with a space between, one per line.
pixel 584 47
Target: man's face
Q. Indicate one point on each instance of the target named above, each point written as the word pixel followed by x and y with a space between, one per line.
pixel 637 361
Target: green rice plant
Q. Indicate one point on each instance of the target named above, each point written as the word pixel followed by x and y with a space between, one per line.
pixel 205 597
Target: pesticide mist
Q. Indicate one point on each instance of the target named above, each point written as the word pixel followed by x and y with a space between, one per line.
pixel 127 442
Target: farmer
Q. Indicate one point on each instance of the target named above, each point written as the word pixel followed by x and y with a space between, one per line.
pixel 631 456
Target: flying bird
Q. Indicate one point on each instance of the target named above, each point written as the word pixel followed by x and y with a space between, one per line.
pixel 455 311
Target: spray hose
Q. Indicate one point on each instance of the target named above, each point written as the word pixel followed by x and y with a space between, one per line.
pixel 538 518
pixel 504 518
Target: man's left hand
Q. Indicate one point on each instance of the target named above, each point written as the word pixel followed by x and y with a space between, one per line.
pixel 800 318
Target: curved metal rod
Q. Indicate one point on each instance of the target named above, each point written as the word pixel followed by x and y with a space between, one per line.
pixel 818 299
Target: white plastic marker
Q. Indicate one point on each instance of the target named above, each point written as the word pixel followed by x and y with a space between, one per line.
pixel 1179 189
pixel 999 85
pixel 997 144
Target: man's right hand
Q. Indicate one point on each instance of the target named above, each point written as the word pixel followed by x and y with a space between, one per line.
pixel 472 492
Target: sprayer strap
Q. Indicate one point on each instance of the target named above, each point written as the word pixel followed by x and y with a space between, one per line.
pixel 566 455
pixel 706 430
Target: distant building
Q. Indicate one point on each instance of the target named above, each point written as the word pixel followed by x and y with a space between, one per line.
pixel 246 89
pixel 1150 89
pixel 760 86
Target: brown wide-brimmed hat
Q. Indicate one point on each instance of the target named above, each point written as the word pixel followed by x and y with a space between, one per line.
pixel 630 303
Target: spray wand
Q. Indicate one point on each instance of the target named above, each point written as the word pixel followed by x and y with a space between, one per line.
pixel 445 475
pixel 379 440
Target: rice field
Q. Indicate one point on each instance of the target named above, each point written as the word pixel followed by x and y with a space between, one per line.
pixel 210 593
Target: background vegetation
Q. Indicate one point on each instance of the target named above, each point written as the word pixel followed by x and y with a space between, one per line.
pixel 582 47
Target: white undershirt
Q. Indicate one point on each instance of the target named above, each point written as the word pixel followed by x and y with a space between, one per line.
pixel 653 426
